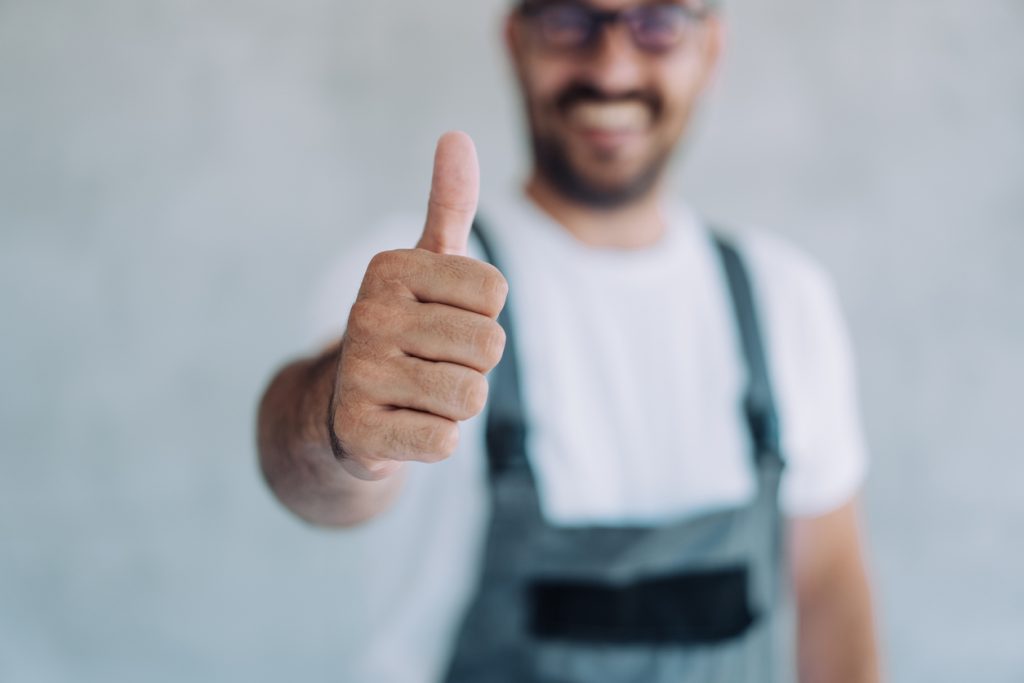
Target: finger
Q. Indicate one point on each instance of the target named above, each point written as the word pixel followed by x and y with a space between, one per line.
pixel 447 390
pixel 371 470
pixel 444 333
pixel 454 192
pixel 402 434
pixel 455 281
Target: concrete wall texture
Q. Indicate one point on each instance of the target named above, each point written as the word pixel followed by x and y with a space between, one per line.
pixel 175 175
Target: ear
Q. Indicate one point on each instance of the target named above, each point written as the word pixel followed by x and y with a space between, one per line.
pixel 512 35
pixel 713 47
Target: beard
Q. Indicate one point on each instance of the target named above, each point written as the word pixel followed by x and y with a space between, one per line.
pixel 553 161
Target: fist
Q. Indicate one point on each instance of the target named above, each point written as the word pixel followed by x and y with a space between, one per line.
pixel 421 335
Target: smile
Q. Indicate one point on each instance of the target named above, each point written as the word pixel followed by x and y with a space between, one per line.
pixel 610 117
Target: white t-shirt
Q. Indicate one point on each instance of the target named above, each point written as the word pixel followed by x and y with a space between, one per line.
pixel 632 376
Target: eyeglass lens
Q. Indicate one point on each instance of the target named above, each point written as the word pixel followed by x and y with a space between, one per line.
pixel 571 25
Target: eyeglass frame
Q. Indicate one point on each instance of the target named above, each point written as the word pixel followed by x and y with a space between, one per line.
pixel 599 19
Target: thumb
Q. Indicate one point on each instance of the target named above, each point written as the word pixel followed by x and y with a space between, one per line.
pixel 454 192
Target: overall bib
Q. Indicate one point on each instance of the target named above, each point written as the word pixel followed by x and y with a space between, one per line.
pixel 702 599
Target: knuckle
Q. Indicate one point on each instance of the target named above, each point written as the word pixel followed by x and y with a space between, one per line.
pixel 385 263
pixel 474 395
pixel 452 391
pixel 494 288
pixel 400 440
pixel 462 393
pixel 371 318
pixel 362 316
pixel 389 270
pixel 491 344
pixel 450 268
pixel 441 440
pixel 433 441
pixel 362 453
pixel 393 439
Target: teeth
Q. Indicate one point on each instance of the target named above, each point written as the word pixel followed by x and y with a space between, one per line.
pixel 610 116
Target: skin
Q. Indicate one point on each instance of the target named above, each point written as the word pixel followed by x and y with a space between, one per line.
pixel 607 158
pixel 336 430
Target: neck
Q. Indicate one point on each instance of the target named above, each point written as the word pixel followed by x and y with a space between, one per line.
pixel 635 225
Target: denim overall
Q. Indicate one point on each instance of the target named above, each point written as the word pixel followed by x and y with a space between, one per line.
pixel 701 599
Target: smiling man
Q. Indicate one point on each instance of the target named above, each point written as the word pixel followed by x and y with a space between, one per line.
pixel 658 479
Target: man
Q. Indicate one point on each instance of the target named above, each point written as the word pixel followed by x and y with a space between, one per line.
pixel 617 513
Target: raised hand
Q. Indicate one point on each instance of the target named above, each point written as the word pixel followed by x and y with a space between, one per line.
pixel 421 336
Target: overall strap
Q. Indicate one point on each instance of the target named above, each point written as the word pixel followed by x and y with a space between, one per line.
pixel 758 402
pixel 506 421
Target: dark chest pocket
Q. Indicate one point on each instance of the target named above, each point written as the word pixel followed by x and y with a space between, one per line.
pixel 689 608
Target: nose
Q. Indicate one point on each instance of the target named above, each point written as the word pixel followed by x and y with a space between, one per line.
pixel 614 63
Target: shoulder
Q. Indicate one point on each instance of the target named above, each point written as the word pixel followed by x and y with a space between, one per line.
pixel 798 298
pixel 798 303
pixel 780 268
pixel 813 371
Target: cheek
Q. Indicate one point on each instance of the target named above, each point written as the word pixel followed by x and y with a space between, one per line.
pixel 543 80
pixel 680 89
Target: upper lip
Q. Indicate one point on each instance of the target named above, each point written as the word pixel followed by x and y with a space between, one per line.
pixel 580 94
pixel 621 115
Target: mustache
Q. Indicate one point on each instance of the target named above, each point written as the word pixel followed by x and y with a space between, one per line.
pixel 586 92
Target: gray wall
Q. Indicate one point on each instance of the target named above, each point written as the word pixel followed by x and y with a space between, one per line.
pixel 174 176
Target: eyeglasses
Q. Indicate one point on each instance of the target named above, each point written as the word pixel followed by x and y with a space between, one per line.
pixel 571 25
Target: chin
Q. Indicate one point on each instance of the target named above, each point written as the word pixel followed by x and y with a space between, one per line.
pixel 597 178
pixel 618 184
pixel 608 192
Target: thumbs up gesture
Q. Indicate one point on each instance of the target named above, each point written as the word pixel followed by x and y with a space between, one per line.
pixel 421 335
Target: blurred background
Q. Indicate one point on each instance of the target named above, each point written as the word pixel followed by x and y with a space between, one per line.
pixel 175 177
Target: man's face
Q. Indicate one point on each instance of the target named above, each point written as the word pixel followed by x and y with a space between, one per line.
pixel 605 115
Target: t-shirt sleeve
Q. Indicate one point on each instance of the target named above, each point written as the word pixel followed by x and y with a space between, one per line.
pixel 337 289
pixel 814 380
pixel 409 571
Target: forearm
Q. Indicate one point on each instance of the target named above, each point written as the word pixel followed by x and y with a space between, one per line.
pixel 837 639
pixel 295 451
pixel 837 636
